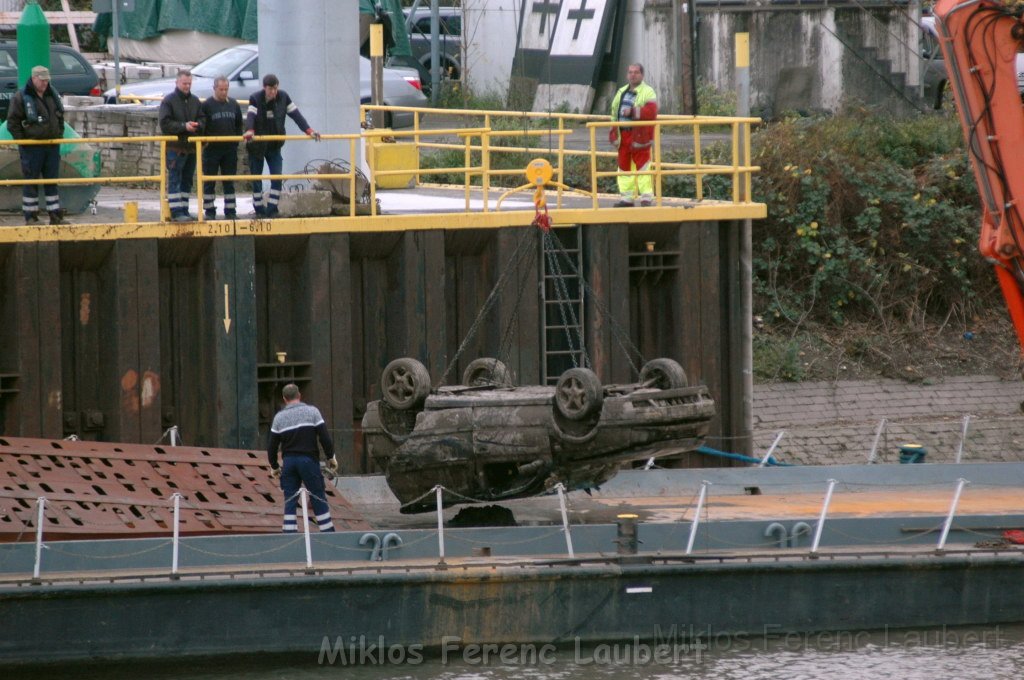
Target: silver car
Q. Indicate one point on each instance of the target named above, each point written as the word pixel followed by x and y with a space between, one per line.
pixel 240 64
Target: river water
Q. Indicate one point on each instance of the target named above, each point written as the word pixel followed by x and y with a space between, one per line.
pixel 989 653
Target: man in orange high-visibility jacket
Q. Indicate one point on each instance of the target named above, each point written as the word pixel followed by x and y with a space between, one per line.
pixel 634 101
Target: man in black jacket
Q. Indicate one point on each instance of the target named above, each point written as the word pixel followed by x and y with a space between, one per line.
pixel 223 118
pixel 299 432
pixel 181 115
pixel 267 109
pixel 36 112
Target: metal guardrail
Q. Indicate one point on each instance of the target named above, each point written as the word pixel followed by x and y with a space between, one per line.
pixel 480 144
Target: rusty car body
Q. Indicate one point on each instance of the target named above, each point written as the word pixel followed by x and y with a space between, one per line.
pixel 488 440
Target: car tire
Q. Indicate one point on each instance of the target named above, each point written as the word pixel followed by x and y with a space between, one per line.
pixel 578 393
pixel 485 372
pixel 405 384
pixel 664 374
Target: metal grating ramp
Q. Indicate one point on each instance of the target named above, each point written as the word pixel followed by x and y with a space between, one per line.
pixel 102 490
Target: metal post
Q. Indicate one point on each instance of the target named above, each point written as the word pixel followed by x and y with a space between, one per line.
pixel 696 515
pixel 878 436
pixel 305 527
pixel 565 519
pixel 746 311
pixel 39 536
pixel 821 519
pixel 440 522
pixel 961 483
pixel 174 540
pixel 435 53
pixel 377 73
pixel 175 439
pixel 771 449
pixel 117 53
pixel 963 439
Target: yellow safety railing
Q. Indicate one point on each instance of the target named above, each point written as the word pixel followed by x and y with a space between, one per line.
pixel 479 145
pixel 561 126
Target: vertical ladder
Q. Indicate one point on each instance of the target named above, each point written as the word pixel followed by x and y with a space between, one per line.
pixel 562 305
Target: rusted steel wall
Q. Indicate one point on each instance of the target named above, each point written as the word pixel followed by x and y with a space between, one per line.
pixel 117 341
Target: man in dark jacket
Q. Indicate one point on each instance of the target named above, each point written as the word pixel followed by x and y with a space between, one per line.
pixel 223 119
pixel 267 109
pixel 36 112
pixel 296 431
pixel 181 115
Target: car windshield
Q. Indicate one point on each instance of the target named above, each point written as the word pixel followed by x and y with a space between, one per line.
pixel 224 63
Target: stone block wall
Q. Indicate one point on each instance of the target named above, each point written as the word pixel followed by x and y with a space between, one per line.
pixel 125 120
pixel 835 423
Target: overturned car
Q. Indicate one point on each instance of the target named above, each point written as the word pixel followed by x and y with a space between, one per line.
pixel 488 440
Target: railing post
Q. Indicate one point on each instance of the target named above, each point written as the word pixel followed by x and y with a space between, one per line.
pixel 593 163
pixel 561 160
pixel 961 483
pixel 200 212
pixel 821 518
pixel 485 163
pixel 771 449
pixel 439 490
pixel 467 160
pixel 174 540
pixel 305 527
pixel 878 435
pixel 963 439
pixel 165 210
pixel 657 164
pixel 352 167
pixel 565 519
pixel 39 536
pixel 696 515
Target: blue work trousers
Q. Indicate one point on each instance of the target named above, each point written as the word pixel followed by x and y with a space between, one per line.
pixel 39 162
pixel 272 155
pixel 181 170
pixel 296 471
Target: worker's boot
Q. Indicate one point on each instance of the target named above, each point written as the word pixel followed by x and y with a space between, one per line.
pixel 57 217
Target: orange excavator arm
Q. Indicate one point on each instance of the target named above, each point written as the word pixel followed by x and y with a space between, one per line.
pixel 980 40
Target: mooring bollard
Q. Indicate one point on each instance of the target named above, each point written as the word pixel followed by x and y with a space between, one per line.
pixel 39 537
pixel 626 534
pixel 961 483
pixel 439 490
pixel 565 519
pixel 821 518
pixel 305 527
pixel 696 515
pixel 174 540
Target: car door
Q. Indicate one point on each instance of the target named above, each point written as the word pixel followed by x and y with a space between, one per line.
pixel 8 78
pixel 71 73
pixel 246 79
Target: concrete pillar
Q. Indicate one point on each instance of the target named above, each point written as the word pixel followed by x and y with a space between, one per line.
pixel 313 48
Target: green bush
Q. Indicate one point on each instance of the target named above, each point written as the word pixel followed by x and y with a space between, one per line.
pixel 866 217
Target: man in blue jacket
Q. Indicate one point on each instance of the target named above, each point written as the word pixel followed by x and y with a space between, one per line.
pixel 297 430
pixel 265 116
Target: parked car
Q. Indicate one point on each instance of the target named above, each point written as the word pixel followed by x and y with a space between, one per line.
pixel 240 64
pixel 936 79
pixel 450 39
pixel 490 440
pixel 70 73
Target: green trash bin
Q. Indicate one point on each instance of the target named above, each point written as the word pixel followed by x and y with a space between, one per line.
pixel 912 453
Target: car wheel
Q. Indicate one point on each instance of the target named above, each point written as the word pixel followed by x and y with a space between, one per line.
pixel 664 374
pixel 405 384
pixel 578 393
pixel 487 371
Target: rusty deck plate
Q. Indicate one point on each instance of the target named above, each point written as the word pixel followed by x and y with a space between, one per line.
pixel 102 490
